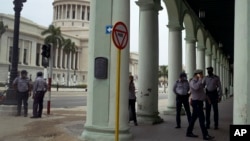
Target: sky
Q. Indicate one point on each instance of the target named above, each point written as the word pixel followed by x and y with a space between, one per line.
pixel 41 11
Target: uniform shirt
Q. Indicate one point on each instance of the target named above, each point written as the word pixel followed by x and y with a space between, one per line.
pixel 132 90
pixel 197 89
pixel 22 84
pixel 213 83
pixel 40 85
pixel 181 87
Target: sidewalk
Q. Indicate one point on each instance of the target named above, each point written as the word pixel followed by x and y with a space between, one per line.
pixel 68 124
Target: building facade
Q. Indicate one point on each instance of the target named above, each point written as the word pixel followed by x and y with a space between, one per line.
pixel 72 16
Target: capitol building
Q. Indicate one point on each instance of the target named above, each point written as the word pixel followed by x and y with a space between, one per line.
pixel 72 16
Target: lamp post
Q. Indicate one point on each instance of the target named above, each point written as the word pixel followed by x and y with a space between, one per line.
pixel 11 94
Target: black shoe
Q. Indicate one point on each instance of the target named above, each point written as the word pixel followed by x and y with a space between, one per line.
pixel 208 137
pixel 216 128
pixel 34 117
pixel 178 126
pixel 192 135
pixel 208 127
pixel 136 124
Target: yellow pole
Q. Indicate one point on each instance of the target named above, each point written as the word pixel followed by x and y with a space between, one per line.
pixel 118 94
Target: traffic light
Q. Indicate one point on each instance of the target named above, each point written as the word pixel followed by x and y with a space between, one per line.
pixel 46 50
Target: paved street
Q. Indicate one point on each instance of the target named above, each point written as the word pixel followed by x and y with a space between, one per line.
pixel 67 123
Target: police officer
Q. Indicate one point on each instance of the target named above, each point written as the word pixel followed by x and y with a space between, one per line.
pixel 213 91
pixel 39 89
pixel 198 96
pixel 23 87
pixel 181 89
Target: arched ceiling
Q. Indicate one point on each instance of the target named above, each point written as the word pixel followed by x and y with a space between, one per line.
pixel 218 20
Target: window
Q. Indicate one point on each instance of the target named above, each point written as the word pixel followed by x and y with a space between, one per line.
pixel 10 54
pixel 88 16
pixel 19 60
pixel 72 60
pixel 68 14
pixel 25 56
pixel 76 61
pixel 73 14
pixel 59 57
pixel 38 50
pixel 63 60
pixel 83 13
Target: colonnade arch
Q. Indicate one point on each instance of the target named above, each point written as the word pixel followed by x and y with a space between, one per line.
pixel 178 13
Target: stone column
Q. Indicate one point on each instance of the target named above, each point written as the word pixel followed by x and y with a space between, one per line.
pixel 190 57
pixel 21 50
pixel 62 15
pixel 86 13
pixel 200 60
pixel 4 49
pixel 174 64
pixel 76 11
pixel 149 63
pixel 71 11
pixel 65 61
pixel 241 111
pixel 101 103
pixel 66 10
pixel 81 12
pixel 214 64
pixel 208 61
pixel 218 66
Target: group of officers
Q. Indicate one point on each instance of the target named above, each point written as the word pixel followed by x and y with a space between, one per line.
pixel 24 87
pixel 195 92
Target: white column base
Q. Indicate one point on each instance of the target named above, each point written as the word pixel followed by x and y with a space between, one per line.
pixel 149 119
pixel 107 134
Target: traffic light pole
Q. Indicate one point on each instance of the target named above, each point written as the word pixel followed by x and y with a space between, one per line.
pixel 50 78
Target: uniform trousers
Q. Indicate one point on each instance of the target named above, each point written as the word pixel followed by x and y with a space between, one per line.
pixel 182 99
pixel 38 103
pixel 132 112
pixel 197 113
pixel 213 96
pixel 22 98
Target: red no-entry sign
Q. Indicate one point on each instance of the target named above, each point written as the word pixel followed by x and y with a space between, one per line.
pixel 120 35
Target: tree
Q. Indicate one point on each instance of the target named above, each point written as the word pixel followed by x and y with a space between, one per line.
pixel 68 46
pixel 2 28
pixel 163 72
pixel 54 38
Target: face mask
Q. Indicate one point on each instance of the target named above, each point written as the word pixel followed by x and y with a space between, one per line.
pixel 210 72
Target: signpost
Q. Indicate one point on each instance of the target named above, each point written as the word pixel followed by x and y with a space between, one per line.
pixel 120 40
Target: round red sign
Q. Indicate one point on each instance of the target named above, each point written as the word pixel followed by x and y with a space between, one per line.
pixel 120 35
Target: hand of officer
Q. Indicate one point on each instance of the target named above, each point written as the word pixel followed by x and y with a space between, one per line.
pixel 219 99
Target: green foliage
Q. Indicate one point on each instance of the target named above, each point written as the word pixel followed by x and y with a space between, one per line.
pixel 54 36
pixel 163 71
pixel 2 28
pixel 68 46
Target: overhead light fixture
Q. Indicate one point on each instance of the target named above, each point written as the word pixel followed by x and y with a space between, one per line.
pixel 202 13
pixel 220 45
